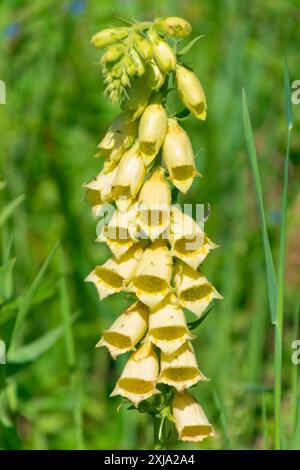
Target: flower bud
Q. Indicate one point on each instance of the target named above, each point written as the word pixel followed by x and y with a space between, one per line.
pixel 152 131
pixel 193 290
pixel 121 231
pixel 126 331
pixel 111 277
pixel 188 241
pixel 191 92
pixel 138 379
pixel 98 191
pixel 180 369
pixel 154 205
pixel 174 26
pixel 163 54
pixel 151 282
pixel 190 420
pixel 119 137
pixel 129 178
pixel 178 156
pixel 113 53
pixel 167 326
pixel 144 47
pixel 108 36
pixel 139 66
pixel 138 98
pixel 154 76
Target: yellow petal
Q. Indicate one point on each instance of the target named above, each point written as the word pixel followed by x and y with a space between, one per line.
pixel 152 131
pixel 126 331
pixel 119 137
pixel 98 191
pixel 191 92
pixel 180 369
pixel 190 420
pixel 138 379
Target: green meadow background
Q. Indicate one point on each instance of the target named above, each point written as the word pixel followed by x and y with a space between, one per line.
pixel 54 387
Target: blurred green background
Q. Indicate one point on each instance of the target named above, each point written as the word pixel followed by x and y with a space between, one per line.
pixel 54 393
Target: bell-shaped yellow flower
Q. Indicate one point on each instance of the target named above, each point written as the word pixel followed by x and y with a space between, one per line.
pixel 154 205
pixel 126 331
pixel 167 326
pixel 129 178
pixel 143 46
pixel 151 281
pixel 108 36
pixel 121 232
pixel 180 369
pixel 138 379
pixel 188 241
pixel 113 275
pixel 174 26
pixel 163 54
pixel 178 156
pixel 152 131
pixel 138 98
pixel 190 420
pixel 154 76
pixel 191 92
pixel 99 190
pixel 119 137
pixel 194 291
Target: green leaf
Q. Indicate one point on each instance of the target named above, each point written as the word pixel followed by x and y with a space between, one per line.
pixel 10 208
pixel 28 298
pixel 5 273
pixel 194 324
pixel 189 46
pixel 270 269
pixel 32 351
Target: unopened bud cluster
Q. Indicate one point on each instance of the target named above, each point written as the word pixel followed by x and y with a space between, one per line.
pixel 157 249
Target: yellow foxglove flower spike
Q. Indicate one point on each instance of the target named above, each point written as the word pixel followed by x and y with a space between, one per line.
pixel 188 241
pixel 152 131
pixel 180 369
pixel 194 291
pixel 154 205
pixel 108 36
pixel 138 379
pixel 190 420
pixel 111 277
pixel 121 232
pixel 119 137
pixel 167 326
pixel 191 92
pixel 178 156
pixel 151 281
pixel 126 331
pixel 129 178
pixel 174 26
pixel 98 191
pixel 163 54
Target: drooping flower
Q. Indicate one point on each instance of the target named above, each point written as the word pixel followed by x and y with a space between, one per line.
pixel 174 26
pixel 189 243
pixel 98 191
pixel 191 92
pixel 180 369
pixel 119 138
pixel 138 379
pixel 163 54
pixel 178 156
pixel 151 281
pixel 194 291
pixel 152 131
pixel 154 76
pixel 108 36
pixel 154 205
pixel 190 420
pixel 126 331
pixel 168 329
pixel 113 275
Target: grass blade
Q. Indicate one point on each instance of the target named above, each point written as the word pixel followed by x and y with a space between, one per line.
pixel 26 304
pixel 9 208
pixel 281 269
pixel 270 269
